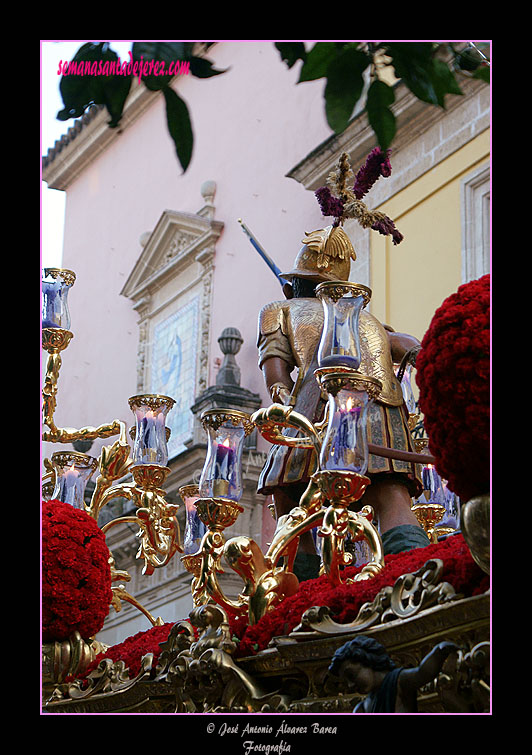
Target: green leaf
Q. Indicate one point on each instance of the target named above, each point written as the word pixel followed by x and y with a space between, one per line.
pixel 428 77
pixel 411 62
pixel 80 91
pixel 344 87
pixel 291 52
pixel 158 52
pixel 443 80
pixel 381 119
pixel 202 68
pixel 318 59
pixel 179 126
pixel 482 73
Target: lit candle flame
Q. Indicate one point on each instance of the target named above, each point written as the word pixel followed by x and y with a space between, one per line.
pixel 226 443
pixel 72 472
pixel 349 404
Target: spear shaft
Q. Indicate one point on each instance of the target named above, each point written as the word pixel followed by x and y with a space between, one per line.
pixel 271 264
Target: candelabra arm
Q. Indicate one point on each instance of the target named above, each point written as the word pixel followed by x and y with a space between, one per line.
pixel 300 519
pixel 159 529
pixel 266 584
pixel 114 463
pixel 361 523
pixel 120 593
pixel 271 421
pixel 50 475
pixel 119 520
pixel 160 533
pixel 54 341
pixel 70 434
pixel 49 392
pixel 205 586
pixel 337 523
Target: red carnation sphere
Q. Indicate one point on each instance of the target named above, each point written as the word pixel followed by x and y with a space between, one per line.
pixel 453 371
pixel 76 575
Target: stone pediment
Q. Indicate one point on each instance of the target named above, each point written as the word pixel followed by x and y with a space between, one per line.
pixel 178 240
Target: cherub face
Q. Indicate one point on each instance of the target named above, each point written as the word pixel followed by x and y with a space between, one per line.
pixel 358 678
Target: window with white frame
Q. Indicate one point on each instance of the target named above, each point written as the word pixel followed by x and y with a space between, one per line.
pixel 476 226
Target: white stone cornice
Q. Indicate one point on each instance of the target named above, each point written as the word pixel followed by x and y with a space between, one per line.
pixel 413 118
pixel 92 138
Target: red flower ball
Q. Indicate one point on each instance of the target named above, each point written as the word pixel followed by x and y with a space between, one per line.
pixel 453 369
pixel 76 575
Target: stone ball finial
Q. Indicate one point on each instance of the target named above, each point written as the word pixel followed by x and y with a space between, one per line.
pixel 143 240
pixel 230 341
pixel 208 190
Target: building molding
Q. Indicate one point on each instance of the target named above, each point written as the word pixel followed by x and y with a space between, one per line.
pixel 90 136
pixel 475 207
pixel 178 239
pixel 413 118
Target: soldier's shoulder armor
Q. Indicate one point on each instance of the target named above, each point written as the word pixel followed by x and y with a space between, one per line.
pixel 289 315
pixel 272 317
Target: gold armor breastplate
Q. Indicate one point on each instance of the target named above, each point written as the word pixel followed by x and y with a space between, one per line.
pixel 301 322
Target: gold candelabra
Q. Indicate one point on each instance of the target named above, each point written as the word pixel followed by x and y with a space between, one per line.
pixel 68 472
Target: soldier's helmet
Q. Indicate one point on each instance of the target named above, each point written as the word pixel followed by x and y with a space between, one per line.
pixel 326 255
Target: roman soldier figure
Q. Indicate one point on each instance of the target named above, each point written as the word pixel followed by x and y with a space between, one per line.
pixel 289 332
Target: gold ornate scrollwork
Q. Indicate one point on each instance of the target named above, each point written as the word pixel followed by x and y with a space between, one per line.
pixel 108 677
pixel 464 685
pixel 411 594
pixel 67 658
pixel 415 592
pixel 205 586
pixel 205 565
pixel 204 674
pixel 265 585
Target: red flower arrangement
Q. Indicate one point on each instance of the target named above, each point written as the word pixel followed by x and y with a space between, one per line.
pixel 346 600
pixel 453 369
pixel 76 575
pixel 134 648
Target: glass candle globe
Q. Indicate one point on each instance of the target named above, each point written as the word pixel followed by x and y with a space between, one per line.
pixel 73 470
pixel 56 283
pixel 451 518
pixel 194 527
pixel 408 392
pixel 221 476
pixel 345 446
pixel 340 340
pixel 150 413
pixel 433 488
